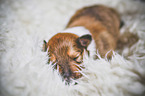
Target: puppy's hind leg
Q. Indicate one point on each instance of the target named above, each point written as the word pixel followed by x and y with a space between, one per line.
pixel 127 40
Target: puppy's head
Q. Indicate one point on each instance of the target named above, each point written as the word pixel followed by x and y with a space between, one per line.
pixel 66 51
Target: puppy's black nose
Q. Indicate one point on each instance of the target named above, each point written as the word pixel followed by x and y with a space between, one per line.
pixel 67 77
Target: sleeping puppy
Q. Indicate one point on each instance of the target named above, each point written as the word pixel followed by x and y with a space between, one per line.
pixel 94 25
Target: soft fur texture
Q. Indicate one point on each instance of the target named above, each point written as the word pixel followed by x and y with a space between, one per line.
pixel 24 71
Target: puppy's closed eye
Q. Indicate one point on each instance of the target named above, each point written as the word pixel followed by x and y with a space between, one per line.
pixel 78 58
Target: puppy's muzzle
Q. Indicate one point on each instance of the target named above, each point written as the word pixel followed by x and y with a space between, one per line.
pixel 67 77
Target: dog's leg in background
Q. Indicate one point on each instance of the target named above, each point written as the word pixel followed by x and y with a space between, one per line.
pixel 126 40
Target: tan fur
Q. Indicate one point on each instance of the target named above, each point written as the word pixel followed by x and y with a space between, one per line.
pixel 102 22
pixel 62 50
pixel 126 40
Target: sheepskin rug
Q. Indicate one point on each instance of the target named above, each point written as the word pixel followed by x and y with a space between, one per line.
pixel 24 71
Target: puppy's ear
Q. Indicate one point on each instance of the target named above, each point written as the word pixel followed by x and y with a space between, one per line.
pixel 85 40
pixel 44 46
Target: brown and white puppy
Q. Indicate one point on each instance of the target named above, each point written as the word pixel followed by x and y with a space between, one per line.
pixel 98 24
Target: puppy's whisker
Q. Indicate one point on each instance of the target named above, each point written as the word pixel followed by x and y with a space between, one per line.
pixel 81 73
pixel 57 68
pixel 53 64
pixel 79 66
pixel 78 70
pixel 74 81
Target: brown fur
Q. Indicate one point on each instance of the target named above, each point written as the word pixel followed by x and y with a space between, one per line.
pixel 102 22
pixel 126 40
pixel 63 49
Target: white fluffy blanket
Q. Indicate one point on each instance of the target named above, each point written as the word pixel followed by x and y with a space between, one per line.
pixel 24 71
